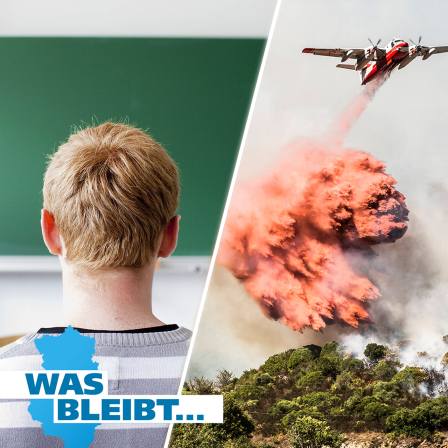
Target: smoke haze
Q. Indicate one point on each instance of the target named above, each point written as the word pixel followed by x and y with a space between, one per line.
pixel 304 98
pixel 306 228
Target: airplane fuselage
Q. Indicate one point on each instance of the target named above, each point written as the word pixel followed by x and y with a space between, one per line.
pixel 373 62
pixel 396 51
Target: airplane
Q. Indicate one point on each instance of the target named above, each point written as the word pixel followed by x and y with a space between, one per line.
pixel 372 61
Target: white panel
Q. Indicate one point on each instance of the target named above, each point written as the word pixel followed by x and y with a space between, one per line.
pixel 192 18
pixel 30 299
pixel 50 264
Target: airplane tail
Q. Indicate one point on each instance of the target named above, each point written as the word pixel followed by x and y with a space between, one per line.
pixel 362 75
pixel 346 66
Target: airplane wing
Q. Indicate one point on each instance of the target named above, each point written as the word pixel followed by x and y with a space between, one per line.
pixel 423 52
pixel 335 52
pixel 426 52
pixel 438 49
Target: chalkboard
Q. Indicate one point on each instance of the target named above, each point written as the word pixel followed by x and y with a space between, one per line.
pixel 192 95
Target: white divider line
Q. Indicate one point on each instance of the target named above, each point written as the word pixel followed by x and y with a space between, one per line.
pixel 226 208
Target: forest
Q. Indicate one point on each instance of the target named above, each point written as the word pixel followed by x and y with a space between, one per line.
pixel 312 397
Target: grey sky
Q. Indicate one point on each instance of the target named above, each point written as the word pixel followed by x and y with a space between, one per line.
pixel 405 126
pixel 301 93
